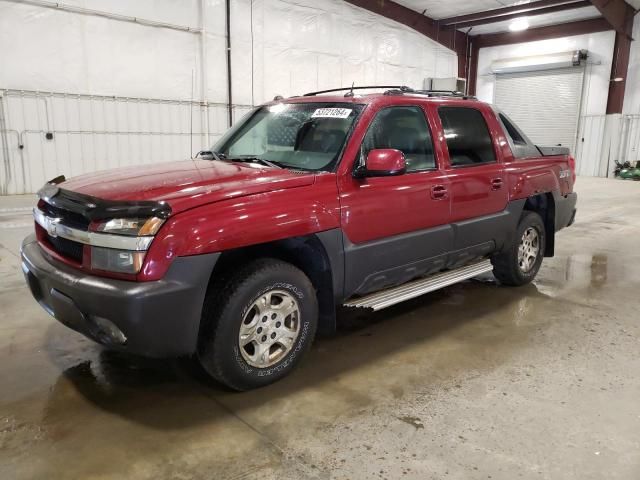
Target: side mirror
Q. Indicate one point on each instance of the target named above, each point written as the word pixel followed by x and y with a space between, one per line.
pixel 383 162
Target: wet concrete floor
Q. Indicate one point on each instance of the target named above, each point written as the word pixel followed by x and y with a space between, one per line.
pixel 476 381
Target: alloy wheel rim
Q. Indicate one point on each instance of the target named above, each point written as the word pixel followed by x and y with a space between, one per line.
pixel 269 329
pixel 528 249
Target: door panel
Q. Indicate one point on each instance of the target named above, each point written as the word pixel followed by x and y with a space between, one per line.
pixel 473 164
pixel 396 228
pixel 477 191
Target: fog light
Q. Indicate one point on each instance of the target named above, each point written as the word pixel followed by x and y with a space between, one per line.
pixel 108 328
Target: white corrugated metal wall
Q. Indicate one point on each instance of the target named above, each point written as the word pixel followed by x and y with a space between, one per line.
pixel 630 147
pixel 122 81
pixel 92 132
pixel 590 149
pixel 603 139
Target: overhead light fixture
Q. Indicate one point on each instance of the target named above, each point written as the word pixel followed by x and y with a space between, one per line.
pixel 519 24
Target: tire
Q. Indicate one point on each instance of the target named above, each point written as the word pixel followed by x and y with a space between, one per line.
pixel 508 267
pixel 275 306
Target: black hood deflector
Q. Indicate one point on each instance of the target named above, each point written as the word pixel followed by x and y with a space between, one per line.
pixel 94 208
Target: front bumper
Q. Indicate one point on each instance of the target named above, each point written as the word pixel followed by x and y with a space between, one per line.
pixel 154 319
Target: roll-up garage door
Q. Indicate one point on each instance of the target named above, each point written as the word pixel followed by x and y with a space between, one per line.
pixel 545 104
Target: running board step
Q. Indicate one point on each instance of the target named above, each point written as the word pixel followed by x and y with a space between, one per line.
pixel 407 291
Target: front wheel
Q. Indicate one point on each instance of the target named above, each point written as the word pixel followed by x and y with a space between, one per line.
pixel 256 328
pixel 519 264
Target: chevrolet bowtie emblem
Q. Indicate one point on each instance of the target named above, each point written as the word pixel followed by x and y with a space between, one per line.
pixel 52 226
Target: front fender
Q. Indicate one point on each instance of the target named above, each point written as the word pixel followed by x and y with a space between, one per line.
pixel 245 221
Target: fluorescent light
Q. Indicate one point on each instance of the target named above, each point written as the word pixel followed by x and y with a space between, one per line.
pixel 519 24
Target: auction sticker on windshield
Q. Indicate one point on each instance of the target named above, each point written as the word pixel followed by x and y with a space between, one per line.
pixel 331 113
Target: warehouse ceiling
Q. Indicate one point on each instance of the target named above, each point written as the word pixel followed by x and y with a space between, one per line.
pixel 440 10
pixel 540 20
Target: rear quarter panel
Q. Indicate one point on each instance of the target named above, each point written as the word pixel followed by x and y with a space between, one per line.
pixel 527 176
pixel 535 175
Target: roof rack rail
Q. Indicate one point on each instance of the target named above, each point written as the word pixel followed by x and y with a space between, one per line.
pixel 400 88
pixel 431 93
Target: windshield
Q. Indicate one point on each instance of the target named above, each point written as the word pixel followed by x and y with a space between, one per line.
pixel 305 136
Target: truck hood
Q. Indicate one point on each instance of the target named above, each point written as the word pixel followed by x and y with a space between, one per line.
pixel 187 184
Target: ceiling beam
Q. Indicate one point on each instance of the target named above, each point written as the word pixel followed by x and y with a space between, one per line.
pixel 510 16
pixel 518 9
pixel 446 36
pixel 618 13
pixel 541 33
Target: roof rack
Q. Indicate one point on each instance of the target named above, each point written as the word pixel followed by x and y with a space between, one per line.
pixel 396 90
pixel 397 87
pixel 431 93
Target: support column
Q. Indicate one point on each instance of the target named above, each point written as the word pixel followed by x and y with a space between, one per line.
pixel 472 74
pixel 619 71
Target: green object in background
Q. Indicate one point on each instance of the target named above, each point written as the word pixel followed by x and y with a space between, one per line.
pixel 626 171
pixel 630 173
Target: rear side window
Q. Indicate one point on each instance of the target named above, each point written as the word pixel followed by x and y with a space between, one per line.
pixel 512 131
pixel 467 136
pixel 404 129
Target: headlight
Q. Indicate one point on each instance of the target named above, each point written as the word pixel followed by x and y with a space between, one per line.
pixel 117 255
pixel 135 227
pixel 113 260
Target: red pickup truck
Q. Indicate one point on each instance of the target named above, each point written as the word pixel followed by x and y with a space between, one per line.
pixel 242 254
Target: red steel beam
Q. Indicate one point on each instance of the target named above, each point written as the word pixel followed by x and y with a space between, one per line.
pixel 542 33
pixel 521 9
pixel 446 36
pixel 620 15
pixel 617 13
pixel 540 11
pixel 619 70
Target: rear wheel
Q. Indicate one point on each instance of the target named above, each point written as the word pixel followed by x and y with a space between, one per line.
pixel 257 327
pixel 519 264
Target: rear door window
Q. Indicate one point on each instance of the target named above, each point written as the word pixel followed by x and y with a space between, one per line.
pixel 512 131
pixel 467 136
pixel 520 144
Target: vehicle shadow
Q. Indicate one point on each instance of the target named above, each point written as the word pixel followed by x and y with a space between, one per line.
pixel 176 394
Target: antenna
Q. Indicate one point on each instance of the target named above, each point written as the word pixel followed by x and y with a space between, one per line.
pixel 350 92
pixel 193 73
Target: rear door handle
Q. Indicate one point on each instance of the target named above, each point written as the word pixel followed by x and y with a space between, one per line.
pixel 496 184
pixel 438 192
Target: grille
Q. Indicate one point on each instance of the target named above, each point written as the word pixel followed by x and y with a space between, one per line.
pixel 71 219
pixel 66 248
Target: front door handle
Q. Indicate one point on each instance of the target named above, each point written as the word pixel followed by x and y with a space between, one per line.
pixel 496 184
pixel 438 192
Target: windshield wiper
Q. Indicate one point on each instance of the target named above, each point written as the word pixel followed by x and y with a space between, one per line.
pixel 250 159
pixel 210 155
